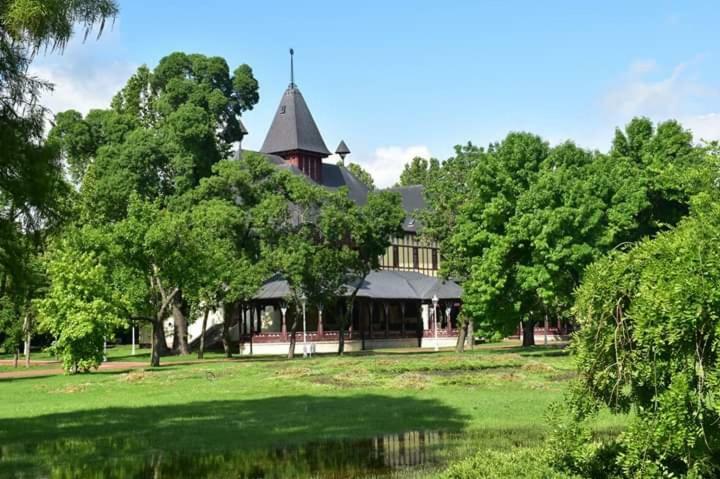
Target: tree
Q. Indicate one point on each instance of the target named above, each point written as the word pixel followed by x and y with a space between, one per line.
pixel 445 194
pixel 361 174
pixel 305 232
pixel 370 229
pixel 649 343
pixel 535 217
pixel 164 132
pixel 33 193
pixel 80 310
pixel 482 238
pixel 419 172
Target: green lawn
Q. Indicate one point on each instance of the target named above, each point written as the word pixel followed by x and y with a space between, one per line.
pixel 495 395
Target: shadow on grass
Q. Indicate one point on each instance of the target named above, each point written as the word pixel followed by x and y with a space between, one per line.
pixel 269 434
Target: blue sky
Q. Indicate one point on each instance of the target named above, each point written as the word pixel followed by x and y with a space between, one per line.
pixel 399 78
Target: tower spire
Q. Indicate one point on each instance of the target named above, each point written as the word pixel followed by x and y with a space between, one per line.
pixel 292 69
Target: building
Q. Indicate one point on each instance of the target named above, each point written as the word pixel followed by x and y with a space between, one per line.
pixel 394 305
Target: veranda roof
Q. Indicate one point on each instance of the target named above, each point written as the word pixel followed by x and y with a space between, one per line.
pixel 388 285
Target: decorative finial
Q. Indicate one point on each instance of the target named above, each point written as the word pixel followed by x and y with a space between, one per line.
pixel 342 150
pixel 292 69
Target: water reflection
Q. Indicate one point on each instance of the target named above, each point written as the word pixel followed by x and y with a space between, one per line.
pixel 405 455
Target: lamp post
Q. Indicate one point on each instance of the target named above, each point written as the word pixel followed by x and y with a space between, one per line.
pixel 303 300
pixel 435 301
pixel 283 327
pixel 132 328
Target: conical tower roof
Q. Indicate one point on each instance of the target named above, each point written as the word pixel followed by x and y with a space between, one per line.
pixel 293 127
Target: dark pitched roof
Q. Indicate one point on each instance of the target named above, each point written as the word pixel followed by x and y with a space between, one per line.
pixel 337 176
pixel 413 200
pixel 333 177
pixel 379 285
pixel 293 127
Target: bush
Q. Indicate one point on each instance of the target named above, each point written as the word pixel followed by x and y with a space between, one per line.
pixel 529 463
pixel 649 342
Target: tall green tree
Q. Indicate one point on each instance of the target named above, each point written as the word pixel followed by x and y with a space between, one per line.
pixel 163 133
pixel 535 217
pixel 419 171
pixel 361 174
pixel 33 193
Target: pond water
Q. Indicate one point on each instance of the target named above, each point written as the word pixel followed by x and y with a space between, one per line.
pixel 407 455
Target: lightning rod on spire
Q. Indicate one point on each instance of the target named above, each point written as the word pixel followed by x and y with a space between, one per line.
pixel 292 69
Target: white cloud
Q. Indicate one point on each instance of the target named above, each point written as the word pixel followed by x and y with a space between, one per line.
pixel 388 161
pixel 665 97
pixel 81 89
pixel 704 127
pixel 86 74
pixel 641 67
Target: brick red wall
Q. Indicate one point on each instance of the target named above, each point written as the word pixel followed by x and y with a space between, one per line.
pixel 311 165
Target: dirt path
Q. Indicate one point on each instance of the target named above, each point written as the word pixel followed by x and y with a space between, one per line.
pixel 52 368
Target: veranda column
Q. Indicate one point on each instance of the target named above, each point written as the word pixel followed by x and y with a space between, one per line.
pixel 402 319
pixel 370 318
pixel 420 325
pixel 448 311
pixel 259 318
pixel 352 318
pixel 386 311
pixel 241 324
pixel 320 320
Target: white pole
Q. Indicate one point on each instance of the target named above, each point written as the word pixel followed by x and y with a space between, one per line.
pixel 132 328
pixel 435 315
pixel 104 349
pixel 305 351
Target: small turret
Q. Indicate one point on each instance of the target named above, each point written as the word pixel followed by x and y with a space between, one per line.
pixel 342 150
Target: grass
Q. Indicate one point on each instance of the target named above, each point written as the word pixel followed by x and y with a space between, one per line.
pixel 496 395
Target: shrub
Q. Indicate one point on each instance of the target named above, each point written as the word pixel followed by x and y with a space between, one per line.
pixel 649 342
pixel 528 463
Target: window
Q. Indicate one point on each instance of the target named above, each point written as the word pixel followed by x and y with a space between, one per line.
pixel 434 258
pixel 282 109
pixel 416 259
pixel 395 256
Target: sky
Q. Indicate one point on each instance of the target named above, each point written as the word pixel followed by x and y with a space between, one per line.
pixel 398 79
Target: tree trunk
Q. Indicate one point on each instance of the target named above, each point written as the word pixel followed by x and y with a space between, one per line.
pixel 293 338
pixel 201 351
pixel 158 340
pixel 471 335
pixel 227 318
pixel 27 333
pixel 349 317
pixel 16 357
pixel 462 336
pixel 528 338
pixel 181 325
pixel 162 346
pixel 341 338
